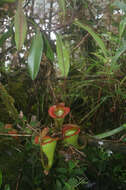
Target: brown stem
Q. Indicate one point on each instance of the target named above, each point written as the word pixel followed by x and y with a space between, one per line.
pixel 19 135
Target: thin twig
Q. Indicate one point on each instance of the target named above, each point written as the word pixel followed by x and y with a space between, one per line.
pixel 50 16
pixel 17 185
pixel 19 135
pixel 35 130
pixel 60 26
pixel 82 40
pixel 76 150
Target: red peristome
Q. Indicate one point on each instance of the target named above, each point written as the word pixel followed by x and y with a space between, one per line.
pixel 50 140
pixel 37 140
pixel 59 107
pixel 12 132
pixel 70 127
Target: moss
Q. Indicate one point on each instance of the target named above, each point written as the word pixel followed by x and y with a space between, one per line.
pixel 8 102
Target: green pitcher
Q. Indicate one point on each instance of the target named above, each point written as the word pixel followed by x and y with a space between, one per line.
pixel 48 149
pixel 70 134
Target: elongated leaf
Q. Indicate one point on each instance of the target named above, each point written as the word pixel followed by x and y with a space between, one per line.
pixel 62 7
pixel 122 26
pixel 58 185
pixel 63 55
pixel 48 50
pixel 7 187
pixel 0 178
pixel 6 1
pixel 110 133
pixel 20 24
pixel 94 35
pixel 35 55
pixel 121 50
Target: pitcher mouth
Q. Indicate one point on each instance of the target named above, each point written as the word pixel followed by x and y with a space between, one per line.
pixel 46 138
pixel 70 127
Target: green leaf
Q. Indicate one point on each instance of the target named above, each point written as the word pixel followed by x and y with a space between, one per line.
pixel 68 186
pixel 73 182
pixel 7 1
pixel 122 26
pixel 0 178
pixel 1 124
pixel 2 128
pixel 5 35
pixel 20 24
pixel 72 165
pixel 48 50
pixel 110 133
pixel 35 55
pixel 7 187
pixel 63 55
pixel 62 170
pixel 58 185
pixel 124 125
pixel 62 5
pixel 120 51
pixel 94 35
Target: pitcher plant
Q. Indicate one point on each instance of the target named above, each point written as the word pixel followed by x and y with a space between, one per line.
pixel 70 134
pixel 58 113
pixel 48 147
